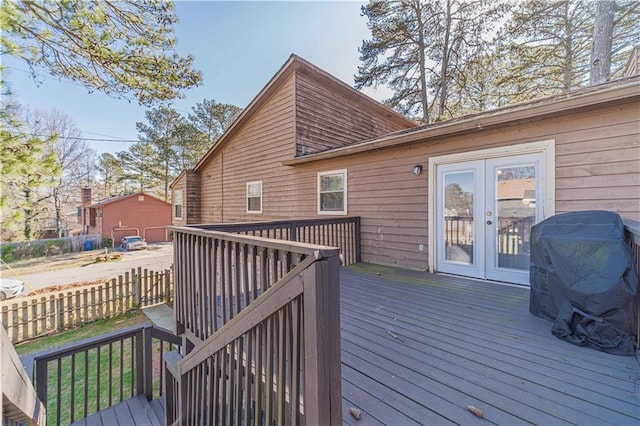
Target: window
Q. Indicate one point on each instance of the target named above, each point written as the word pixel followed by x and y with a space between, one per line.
pixel 177 204
pixel 254 197
pixel 332 192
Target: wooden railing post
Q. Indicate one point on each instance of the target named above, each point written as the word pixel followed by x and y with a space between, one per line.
pixel 357 239
pixel 148 363
pixel 323 377
pixel 140 361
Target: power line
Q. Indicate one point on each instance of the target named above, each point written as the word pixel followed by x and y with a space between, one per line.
pixel 92 139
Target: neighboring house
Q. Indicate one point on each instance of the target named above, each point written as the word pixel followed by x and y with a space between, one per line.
pixel 134 214
pixel 310 146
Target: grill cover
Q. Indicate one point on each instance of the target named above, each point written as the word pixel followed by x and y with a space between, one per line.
pixel 583 278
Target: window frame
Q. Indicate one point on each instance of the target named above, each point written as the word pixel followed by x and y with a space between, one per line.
pixel 255 182
pixel 175 204
pixel 319 193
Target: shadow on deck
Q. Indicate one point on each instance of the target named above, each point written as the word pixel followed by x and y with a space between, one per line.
pixel 419 348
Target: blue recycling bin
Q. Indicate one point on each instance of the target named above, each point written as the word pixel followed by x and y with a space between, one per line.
pixel 88 245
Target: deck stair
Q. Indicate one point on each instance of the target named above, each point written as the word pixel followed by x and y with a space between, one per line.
pixel 133 411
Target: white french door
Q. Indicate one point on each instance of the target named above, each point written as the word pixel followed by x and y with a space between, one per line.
pixel 484 212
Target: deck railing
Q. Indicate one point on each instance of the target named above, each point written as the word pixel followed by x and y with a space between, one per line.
pixel 20 403
pixel 82 378
pixel 633 236
pixel 263 317
pixel 343 233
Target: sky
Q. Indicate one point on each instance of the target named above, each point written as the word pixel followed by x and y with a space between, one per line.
pixel 238 46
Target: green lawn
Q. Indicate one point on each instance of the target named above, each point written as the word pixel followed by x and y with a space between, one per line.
pixel 85 374
pixel 88 330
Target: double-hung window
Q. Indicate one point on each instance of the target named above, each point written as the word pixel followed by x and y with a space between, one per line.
pixel 254 197
pixel 177 204
pixel 332 192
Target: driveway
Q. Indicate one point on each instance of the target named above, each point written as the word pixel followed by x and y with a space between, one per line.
pixel 156 257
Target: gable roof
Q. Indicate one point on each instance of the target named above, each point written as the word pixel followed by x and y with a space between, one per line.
pixel 119 198
pixel 293 64
pixel 589 98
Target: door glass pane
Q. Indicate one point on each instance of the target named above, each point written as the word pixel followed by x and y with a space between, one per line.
pixel 458 216
pixel 516 213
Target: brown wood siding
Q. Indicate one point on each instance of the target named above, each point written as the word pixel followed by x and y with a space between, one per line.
pixel 328 119
pixel 179 185
pixel 633 66
pixel 597 167
pixel 191 197
pixel 254 154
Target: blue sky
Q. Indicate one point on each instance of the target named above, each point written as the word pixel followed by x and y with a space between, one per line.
pixel 237 46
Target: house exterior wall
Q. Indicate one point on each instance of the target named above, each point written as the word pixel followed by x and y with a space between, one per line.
pixel 327 119
pixel 189 184
pixel 146 217
pixel 254 154
pixel 597 167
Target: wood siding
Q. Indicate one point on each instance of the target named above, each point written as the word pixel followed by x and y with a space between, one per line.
pixel 189 184
pixel 633 66
pixel 597 167
pixel 254 154
pixel 327 119
pixel 180 184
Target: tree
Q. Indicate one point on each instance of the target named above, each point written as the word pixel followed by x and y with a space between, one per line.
pixel 125 48
pixel 420 48
pixel 140 167
pixel 160 135
pixel 615 32
pixel 29 168
pixel 191 146
pixel 74 158
pixel 111 173
pixel 547 45
pixel 213 118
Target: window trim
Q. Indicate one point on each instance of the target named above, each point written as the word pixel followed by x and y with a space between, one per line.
pixel 344 210
pixel 175 204
pixel 255 182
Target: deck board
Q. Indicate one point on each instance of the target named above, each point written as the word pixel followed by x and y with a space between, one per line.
pixel 475 343
pixel 418 348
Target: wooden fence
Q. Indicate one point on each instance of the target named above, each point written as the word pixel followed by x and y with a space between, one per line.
pixel 33 316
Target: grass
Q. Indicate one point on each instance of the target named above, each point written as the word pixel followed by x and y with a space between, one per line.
pixel 92 329
pixel 78 378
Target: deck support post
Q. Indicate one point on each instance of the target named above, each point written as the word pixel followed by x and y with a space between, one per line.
pixel 323 373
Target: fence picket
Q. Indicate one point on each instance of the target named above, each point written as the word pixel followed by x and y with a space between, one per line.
pixel 41 314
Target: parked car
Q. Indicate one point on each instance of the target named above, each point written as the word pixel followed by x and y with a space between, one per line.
pixel 10 288
pixel 133 243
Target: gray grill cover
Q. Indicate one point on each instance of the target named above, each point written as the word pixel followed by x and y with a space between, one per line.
pixel 583 279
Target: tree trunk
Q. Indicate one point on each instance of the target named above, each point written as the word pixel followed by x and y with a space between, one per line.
pixel 444 67
pixel 422 66
pixel 602 40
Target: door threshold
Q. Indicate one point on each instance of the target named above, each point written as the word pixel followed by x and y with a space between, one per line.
pixel 483 280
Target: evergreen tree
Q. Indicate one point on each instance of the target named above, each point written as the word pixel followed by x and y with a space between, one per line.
pixel 111 174
pixel 213 118
pixel 125 48
pixel 160 135
pixel 547 46
pixel 420 48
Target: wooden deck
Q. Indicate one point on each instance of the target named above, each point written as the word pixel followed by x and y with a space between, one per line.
pixel 419 348
pixel 136 411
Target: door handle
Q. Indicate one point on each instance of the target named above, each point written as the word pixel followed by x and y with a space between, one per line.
pixel 489 222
